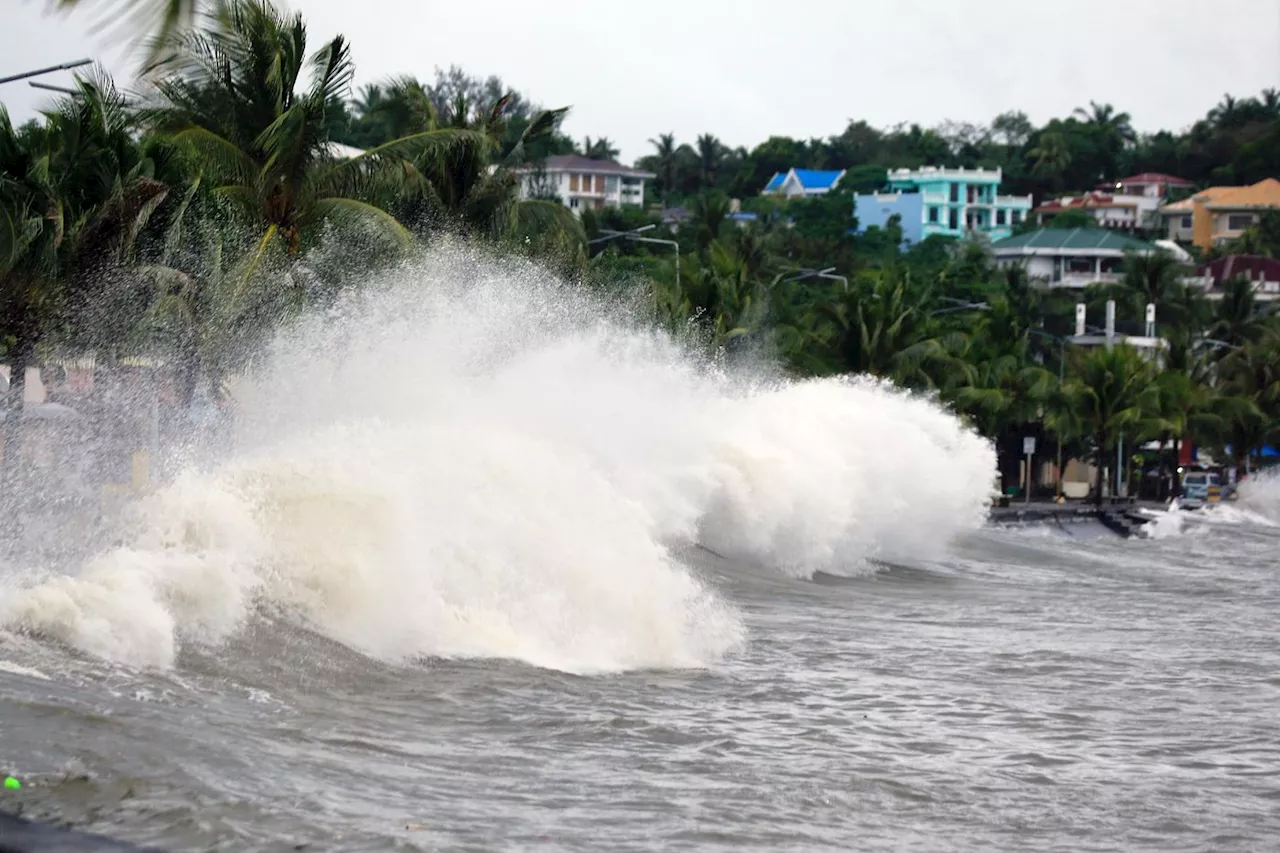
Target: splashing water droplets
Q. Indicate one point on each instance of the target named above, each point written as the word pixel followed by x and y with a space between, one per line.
pixel 473 461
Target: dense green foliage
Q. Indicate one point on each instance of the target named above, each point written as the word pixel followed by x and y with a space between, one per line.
pixel 186 224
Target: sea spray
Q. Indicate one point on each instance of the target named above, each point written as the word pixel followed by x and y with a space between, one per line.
pixel 470 459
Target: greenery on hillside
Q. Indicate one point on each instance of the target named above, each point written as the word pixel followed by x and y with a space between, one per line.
pixel 187 222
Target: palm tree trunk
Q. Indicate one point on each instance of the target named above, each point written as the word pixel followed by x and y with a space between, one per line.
pixel 1097 479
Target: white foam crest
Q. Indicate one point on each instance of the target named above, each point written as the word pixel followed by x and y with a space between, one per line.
pixel 474 461
pixel 1260 496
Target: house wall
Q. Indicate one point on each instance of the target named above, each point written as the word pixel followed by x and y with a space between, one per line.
pixel 876 208
pixel 1221 223
pixel 1179 227
pixel 1074 269
pixel 591 189
pixel 965 199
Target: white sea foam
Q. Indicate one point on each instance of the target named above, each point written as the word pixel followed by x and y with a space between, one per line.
pixel 470 460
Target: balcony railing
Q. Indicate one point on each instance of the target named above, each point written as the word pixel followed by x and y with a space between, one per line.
pixel 1084 279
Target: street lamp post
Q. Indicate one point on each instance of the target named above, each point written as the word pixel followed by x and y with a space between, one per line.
pixel 66 66
pixel 827 273
pixel 632 235
pixel 63 89
pixel 960 305
pixel 1062 363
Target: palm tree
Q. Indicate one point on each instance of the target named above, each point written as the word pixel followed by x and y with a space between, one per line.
pixel 599 149
pixel 1238 321
pixel 666 153
pixel 1152 278
pixel 1051 154
pixel 163 21
pixel 710 154
pixel 230 95
pixel 1110 391
pixel 719 300
pixel 74 194
pixel 1105 117
pixel 882 326
pixel 710 211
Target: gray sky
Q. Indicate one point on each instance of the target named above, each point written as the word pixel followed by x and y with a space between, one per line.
pixel 747 69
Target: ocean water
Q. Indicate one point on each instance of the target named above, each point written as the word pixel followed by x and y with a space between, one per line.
pixel 487 565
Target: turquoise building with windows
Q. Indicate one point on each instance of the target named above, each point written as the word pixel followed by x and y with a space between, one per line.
pixel 947 202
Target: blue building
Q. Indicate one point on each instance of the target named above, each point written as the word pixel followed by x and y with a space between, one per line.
pixel 948 202
pixel 803 182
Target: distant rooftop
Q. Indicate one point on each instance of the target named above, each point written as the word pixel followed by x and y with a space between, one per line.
pixel 1082 239
pixel 1153 178
pixel 578 163
pixel 810 179
pixel 815 179
pixel 1088 201
pixel 1265 193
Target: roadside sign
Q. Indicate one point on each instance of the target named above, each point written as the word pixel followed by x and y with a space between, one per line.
pixel 1029 446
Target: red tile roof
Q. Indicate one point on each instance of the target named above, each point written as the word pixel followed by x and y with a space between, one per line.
pixel 1252 267
pixel 1155 178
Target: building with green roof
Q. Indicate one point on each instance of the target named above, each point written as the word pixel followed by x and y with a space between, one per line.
pixel 1070 257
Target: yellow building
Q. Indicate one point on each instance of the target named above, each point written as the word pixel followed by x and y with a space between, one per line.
pixel 1218 214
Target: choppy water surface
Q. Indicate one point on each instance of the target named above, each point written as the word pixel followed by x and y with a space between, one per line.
pixel 464 610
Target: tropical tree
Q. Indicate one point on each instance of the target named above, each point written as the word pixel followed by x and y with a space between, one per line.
pixel 161 21
pixel 599 149
pixel 1109 391
pixel 74 194
pixel 1151 279
pixel 710 155
pixel 1051 154
pixel 666 154
pixel 230 93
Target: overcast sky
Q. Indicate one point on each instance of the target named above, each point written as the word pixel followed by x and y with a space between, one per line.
pixel 748 69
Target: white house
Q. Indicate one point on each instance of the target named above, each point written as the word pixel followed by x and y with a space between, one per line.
pixel 1155 185
pixel 1109 210
pixel 580 182
pixel 1069 257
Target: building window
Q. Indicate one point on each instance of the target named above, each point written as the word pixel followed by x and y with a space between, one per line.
pixel 933 214
pixel 573 183
pixel 1015 216
pixel 955 193
pixel 1186 222
pixel 1080 265
pixel 600 183
pixel 573 203
pixel 953 218
pixel 999 217
pixel 1239 221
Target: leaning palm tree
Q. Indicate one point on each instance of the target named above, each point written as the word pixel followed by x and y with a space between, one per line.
pixel 158 22
pixel 231 93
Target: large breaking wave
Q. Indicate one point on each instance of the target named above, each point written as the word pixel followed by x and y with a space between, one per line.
pixel 473 460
